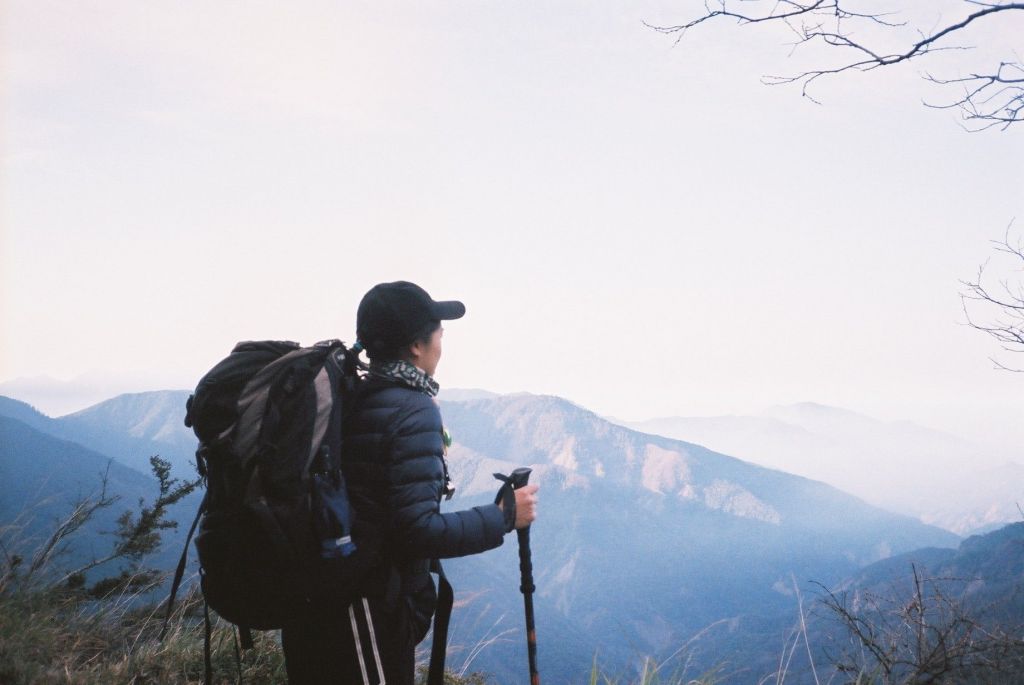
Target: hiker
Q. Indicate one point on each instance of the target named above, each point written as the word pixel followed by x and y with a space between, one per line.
pixel 394 464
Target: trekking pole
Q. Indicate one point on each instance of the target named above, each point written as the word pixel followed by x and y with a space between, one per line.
pixel 519 479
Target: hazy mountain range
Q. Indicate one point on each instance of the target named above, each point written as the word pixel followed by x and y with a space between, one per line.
pixel 651 540
pixel 935 476
pixel 643 542
pixel 130 428
pixel 48 464
pixel 43 477
pixel 56 397
pixel 985 567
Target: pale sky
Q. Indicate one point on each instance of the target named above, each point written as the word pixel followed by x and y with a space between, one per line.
pixel 634 224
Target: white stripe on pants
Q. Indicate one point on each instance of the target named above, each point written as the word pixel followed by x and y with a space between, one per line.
pixel 372 646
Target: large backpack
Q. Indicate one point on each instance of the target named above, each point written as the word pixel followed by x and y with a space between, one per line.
pixel 276 533
pixel 277 537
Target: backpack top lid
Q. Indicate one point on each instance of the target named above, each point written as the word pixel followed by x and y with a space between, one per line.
pixel 212 408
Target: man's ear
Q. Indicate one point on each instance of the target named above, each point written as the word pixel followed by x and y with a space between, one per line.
pixel 415 351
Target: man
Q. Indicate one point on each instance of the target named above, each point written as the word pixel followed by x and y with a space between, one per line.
pixel 395 467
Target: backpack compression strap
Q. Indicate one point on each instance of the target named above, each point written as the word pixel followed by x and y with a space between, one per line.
pixel 180 571
pixel 442 615
pixel 252 403
pixel 324 402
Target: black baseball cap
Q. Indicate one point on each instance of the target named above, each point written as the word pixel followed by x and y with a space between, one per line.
pixel 392 314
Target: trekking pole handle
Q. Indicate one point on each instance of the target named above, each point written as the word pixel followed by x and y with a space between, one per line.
pixel 520 477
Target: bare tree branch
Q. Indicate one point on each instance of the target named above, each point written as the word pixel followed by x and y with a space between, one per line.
pixel 1002 312
pixel 924 633
pixel 137 534
pixel 988 99
pixel 83 511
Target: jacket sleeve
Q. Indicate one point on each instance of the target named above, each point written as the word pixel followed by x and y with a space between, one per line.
pixel 415 481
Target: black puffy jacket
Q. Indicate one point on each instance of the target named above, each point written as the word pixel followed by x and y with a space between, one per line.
pixel 394 467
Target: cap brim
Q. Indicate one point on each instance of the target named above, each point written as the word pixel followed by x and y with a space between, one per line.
pixel 451 309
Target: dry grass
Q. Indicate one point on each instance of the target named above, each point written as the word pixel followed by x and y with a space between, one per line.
pixel 53 637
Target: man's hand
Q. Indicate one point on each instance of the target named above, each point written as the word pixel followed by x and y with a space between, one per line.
pixel 526 505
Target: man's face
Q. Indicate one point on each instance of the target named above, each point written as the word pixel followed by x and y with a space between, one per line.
pixel 427 355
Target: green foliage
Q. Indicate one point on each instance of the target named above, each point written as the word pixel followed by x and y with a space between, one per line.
pixel 56 628
pixel 137 534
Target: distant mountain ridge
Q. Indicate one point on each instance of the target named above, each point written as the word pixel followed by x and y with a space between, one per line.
pixel 643 541
pixel 128 428
pixel 46 465
pixel 563 437
pixel 906 468
pixel 56 398
pixel 937 477
pixel 155 416
pixel 465 394
pixel 133 426
pixel 24 412
pixel 42 477
pixel 989 568
pixel 37 466
pixel 659 535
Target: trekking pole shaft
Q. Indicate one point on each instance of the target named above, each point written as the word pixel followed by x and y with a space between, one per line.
pixel 527 588
pixel 520 477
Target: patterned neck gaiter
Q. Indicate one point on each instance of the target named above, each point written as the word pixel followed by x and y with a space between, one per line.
pixel 405 373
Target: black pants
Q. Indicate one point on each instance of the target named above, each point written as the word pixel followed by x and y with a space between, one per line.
pixel 361 645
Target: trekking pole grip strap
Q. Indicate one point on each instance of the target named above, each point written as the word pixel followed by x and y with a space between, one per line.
pixel 506 494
